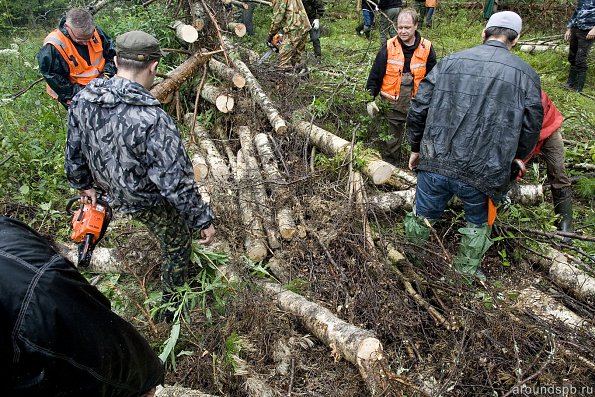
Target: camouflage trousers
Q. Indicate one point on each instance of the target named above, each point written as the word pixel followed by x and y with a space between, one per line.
pixel 175 239
pixel 294 44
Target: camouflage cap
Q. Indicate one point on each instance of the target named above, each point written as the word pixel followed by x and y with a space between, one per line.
pixel 138 46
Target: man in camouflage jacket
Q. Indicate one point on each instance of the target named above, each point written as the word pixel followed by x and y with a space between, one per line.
pixel 290 18
pixel 121 141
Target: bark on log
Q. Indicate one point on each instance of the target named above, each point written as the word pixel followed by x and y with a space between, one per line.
pixel 227 73
pixel 94 8
pixel 224 138
pixel 550 310
pixel 262 202
pixel 377 170
pixel 199 16
pixel 401 179
pixel 178 391
pixel 358 346
pixel 217 165
pixel 255 248
pixel 566 274
pixel 238 3
pixel 526 194
pixel 103 260
pixel 239 29
pixel 218 97
pixel 258 93
pixel 178 76
pixel 276 184
pixel 186 33
pixel 543 47
pixel 393 201
pixel 357 188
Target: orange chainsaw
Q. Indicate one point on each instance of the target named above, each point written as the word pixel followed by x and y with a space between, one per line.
pixel 89 224
pixel 274 46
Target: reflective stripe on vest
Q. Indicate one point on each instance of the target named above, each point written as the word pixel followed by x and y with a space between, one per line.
pixel 80 72
pixel 391 83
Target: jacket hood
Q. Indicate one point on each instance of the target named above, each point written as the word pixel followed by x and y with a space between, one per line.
pixel 116 91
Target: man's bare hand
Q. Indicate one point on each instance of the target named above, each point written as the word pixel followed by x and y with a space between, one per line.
pixel 413 160
pixel 591 34
pixel 150 393
pixel 88 195
pixel 208 235
pixel 567 35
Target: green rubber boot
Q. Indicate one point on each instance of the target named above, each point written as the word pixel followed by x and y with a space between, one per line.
pixel 474 244
pixel 416 232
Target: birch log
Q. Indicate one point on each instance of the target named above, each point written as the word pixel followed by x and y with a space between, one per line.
pixel 199 16
pixel 255 248
pixel 178 76
pixel 393 201
pixel 357 189
pixel 238 3
pixel 258 93
pixel 201 169
pixel 401 179
pixel 568 275
pixel 223 101
pixel 227 73
pixel 358 346
pixel 263 202
pixel 376 169
pixel 186 33
pixel 277 186
pixel 238 28
pixel 104 260
pixel 224 138
pixel 217 165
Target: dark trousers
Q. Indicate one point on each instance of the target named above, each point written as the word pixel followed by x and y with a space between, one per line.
pixel 396 116
pixel 315 37
pixel 175 239
pixel 579 49
pixel 552 153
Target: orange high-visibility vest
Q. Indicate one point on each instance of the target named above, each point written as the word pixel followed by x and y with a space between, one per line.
pixel 391 84
pixel 431 3
pixel 80 71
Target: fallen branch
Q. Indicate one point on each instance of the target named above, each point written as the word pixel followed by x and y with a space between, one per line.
pixel 178 76
pixel 24 90
pixel 558 234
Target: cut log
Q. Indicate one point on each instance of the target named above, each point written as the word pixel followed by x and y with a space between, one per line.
pixel 178 76
pixel 550 310
pixel 393 201
pixel 224 138
pixel 526 194
pixel 277 186
pixel 401 179
pixel 218 97
pixel 201 169
pixel 217 165
pixel 227 73
pixel 358 346
pixel 199 16
pixel 178 391
pixel 357 189
pixel 186 33
pixel 377 170
pixel 103 260
pixel 568 275
pixel 255 248
pixel 263 202
pixel 543 47
pixel 258 93
pixel 238 28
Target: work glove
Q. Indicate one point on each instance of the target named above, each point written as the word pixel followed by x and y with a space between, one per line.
pixel 315 24
pixel 372 109
pixel 517 169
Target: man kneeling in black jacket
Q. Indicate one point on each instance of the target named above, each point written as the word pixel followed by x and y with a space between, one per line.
pixel 58 336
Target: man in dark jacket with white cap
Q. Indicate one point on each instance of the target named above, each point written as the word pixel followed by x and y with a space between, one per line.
pixel 473 115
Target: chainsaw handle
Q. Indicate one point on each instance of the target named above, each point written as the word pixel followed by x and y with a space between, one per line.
pixel 73 200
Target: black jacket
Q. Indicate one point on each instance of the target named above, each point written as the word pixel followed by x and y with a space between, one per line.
pixel 314 8
pixel 386 4
pixel 55 70
pixel 474 113
pixel 379 66
pixel 58 336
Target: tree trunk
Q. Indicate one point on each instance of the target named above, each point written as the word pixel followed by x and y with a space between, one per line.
pixel 258 93
pixel 227 73
pixel 378 170
pixel 255 248
pixel 239 29
pixel 357 189
pixel 218 97
pixel 217 165
pixel 358 346
pixel 393 201
pixel 199 16
pixel 262 203
pixel 277 186
pixel 186 33
pixel 567 274
pixel 178 76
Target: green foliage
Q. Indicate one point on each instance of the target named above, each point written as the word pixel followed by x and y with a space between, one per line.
pixel 14 14
pixel 586 188
pixel 331 164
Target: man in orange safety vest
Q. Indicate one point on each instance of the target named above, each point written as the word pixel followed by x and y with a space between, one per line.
pixel 74 54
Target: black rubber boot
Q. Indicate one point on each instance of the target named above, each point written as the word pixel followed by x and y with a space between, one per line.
pixel 581 77
pixel 571 82
pixel 563 207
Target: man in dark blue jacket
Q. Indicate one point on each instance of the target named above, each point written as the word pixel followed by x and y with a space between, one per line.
pixel 477 111
pixel 58 336
pixel 581 34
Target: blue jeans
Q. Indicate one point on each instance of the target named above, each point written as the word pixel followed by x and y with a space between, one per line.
pixel 368 17
pixel 434 191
